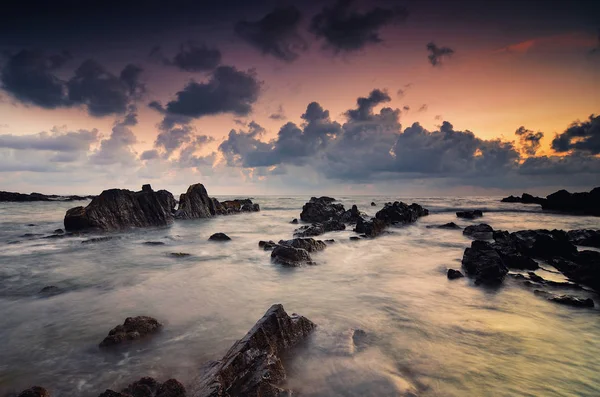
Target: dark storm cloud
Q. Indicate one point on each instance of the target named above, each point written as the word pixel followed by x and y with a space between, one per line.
pixel 30 77
pixel 227 91
pixel 580 137
pixel 57 141
pixel 437 54
pixel 530 140
pixel 239 143
pixel 191 57
pixel 364 110
pixel 344 29
pixel 275 34
pixel 573 164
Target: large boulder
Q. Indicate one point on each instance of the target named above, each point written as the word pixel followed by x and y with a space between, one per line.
pixel 118 209
pixel 149 387
pixel 321 209
pixel 400 213
pixel 483 231
pixel 132 329
pixel 309 244
pixel 290 256
pixel 195 204
pixel 578 203
pixel 167 200
pixel 483 263
pixel 253 367
pixel 219 237
pixel 585 237
pixel 370 228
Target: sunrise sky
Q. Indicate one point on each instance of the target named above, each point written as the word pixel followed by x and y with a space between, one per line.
pixel 300 97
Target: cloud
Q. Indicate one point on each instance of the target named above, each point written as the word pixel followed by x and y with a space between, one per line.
pixel 344 29
pixel 227 91
pixel 29 77
pixel 150 155
pixel 54 141
pixel 279 115
pixel 423 108
pixel 191 57
pixel 276 34
pixel 580 137
pixel 364 111
pixel 530 140
pixel 406 108
pixel 402 91
pixel 117 148
pixel 437 54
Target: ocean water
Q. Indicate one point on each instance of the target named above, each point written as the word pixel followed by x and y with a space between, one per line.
pixel 426 335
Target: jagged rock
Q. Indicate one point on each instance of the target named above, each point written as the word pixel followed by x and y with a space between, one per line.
pixel 333 225
pixel 253 367
pixel 454 274
pixel 371 228
pixel 294 221
pixel 118 209
pixel 578 203
pixel 195 203
pixel 483 263
pixel 35 391
pixel 399 212
pixel 149 387
pixel 588 238
pixel 469 214
pixel 449 225
pixel 309 244
pixel 291 256
pixel 568 300
pixel 483 231
pixel 507 246
pixel 544 244
pixel 316 229
pixel 321 209
pixel 330 241
pixel 583 268
pixel 166 198
pixel 267 245
pixel 236 206
pixel 219 237
pixel 97 239
pixel 132 329
pixel 351 216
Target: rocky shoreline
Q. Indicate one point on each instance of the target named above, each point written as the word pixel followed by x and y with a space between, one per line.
pixel 584 203
pixel 23 198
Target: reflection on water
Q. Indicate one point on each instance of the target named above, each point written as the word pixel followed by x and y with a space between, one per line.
pixel 427 336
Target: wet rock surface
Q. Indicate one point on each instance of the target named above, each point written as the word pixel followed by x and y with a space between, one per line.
pixel 253 367
pixel 308 244
pixel 97 239
pixel 195 204
pixel 219 237
pixel 449 226
pixel 470 214
pixel 453 274
pixel 585 237
pixel 290 256
pixel 267 245
pixel 370 228
pixel 321 209
pixel 482 263
pixel 483 231
pixel 132 329
pixel 400 213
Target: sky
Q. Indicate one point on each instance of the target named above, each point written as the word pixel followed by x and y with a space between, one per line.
pixel 414 98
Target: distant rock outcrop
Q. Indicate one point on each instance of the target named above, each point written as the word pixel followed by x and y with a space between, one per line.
pixel 118 209
pixel 525 199
pixel 253 367
pixel 584 203
pixel 21 198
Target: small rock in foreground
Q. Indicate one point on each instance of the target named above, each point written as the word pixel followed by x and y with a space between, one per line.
pixel 454 274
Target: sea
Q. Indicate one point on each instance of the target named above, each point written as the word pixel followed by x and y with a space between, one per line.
pixel 425 335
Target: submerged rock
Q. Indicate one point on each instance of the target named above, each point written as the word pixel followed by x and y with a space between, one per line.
pixel 58 231
pixel 483 231
pixel 35 391
pixel 253 367
pixel 309 244
pixel 469 214
pixel 568 300
pixel 454 274
pixel 449 225
pixel 291 256
pixel 482 262
pixel 267 245
pixel 294 221
pixel 118 209
pixel 219 237
pixel 149 387
pixel 132 329
pixel 373 204
pixel 50 290
pixel 354 238
pixel 321 209
pixel 97 239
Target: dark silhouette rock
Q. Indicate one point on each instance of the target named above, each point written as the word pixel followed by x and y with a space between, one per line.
pixel 267 245
pixel 118 209
pixel 588 238
pixel 524 199
pixel 544 244
pixel 219 237
pixel 373 204
pixel 321 209
pixel 35 391
pixel 508 247
pixel 253 367
pixel 236 206
pixel 132 329
pixel 309 244
pixel 316 229
pixel 330 241
pixel 195 204
pixel 352 215
pixel 483 263
pixel 401 213
pixel 469 214
pixel 354 238
pixel 583 268
pixel 149 387
pixel 370 228
pixel 450 226
pixel 97 239
pixel 333 225
pixel 483 231
pixel 568 300
pixel 294 221
pixel 166 199
pixel 290 256
pixel 153 243
pixel 454 274
pixel 578 203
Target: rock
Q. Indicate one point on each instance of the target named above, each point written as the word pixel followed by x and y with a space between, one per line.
pixel 19 197
pixel 291 256
pixel 195 204
pixel 321 209
pixel 219 237
pixel 294 221
pixel 354 238
pixel 352 215
pixel 149 387
pixel 584 268
pixel 153 243
pixel 373 204
pixel 50 290
pixel 588 238
pixel 507 246
pixel 309 244
pixel 62 235
pixel 132 329
pixel 267 245
pixel 454 274
pixel 333 225
pixel 253 367
pixel 544 244
pixel 179 254
pixel 525 199
pixel 330 241
pixel 97 239
pixel 400 213
pixel 58 231
pixel 30 235
pixel 578 203
pixel 483 231
pixel 237 206
pixel 316 229
pixel 568 300
pixel 35 391
pixel 469 214
pixel 484 264
pixel 371 228
pixel 166 199
pixel 450 225
pixel 118 209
